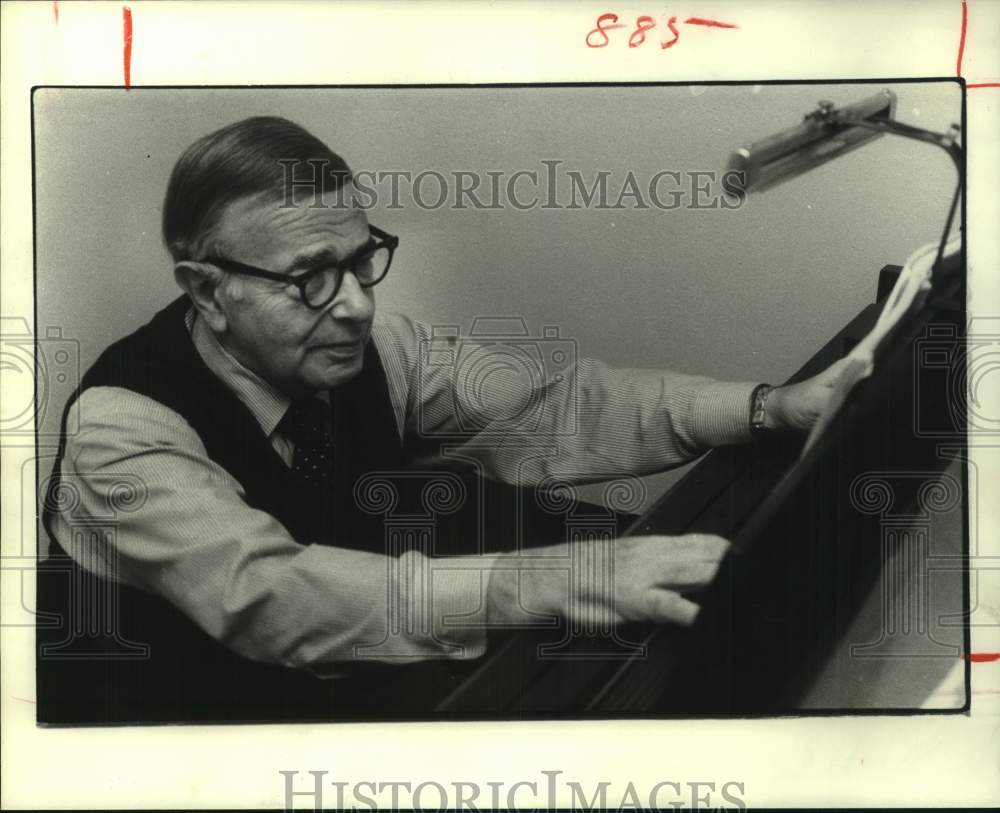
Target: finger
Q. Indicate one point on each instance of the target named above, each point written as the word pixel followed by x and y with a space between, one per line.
pixel 667 607
pixel 682 576
pixel 708 547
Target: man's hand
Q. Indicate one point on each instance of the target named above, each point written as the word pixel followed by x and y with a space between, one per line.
pixel 637 578
pixel 798 406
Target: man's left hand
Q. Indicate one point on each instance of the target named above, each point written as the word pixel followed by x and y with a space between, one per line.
pixel 798 406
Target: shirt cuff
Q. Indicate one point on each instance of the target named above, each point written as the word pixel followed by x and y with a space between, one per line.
pixel 722 413
pixel 448 621
pixel 459 604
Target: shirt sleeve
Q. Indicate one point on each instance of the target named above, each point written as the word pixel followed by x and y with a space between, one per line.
pixel 524 419
pixel 236 571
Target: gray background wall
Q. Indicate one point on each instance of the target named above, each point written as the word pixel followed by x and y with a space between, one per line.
pixel 745 294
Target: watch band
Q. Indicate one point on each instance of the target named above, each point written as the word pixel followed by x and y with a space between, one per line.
pixel 758 409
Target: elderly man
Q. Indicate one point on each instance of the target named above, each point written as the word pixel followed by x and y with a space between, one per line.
pixel 251 580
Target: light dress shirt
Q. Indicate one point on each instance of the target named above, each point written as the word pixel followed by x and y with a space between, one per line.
pixel 239 574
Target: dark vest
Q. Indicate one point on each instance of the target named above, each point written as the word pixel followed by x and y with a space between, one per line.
pixel 152 663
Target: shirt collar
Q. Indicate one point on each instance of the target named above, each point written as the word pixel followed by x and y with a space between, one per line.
pixel 267 404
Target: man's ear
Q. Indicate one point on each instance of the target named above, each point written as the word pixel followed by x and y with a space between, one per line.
pixel 201 282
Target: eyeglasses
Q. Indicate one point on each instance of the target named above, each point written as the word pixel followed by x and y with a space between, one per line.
pixel 319 286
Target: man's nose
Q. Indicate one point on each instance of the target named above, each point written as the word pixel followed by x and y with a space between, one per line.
pixel 352 301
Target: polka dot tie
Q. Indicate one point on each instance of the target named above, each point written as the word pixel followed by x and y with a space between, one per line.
pixel 307 425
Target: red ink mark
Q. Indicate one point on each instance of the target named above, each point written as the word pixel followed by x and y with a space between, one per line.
pixel 55 10
pixel 961 51
pixel 603 29
pixel 671 24
pixel 127 31
pixel 709 23
pixel 642 25
pixel 982 657
pixel 961 39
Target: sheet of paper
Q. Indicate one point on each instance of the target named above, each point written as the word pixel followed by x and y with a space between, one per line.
pixel 913 283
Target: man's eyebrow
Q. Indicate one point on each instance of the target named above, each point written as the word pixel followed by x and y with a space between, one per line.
pixel 312 259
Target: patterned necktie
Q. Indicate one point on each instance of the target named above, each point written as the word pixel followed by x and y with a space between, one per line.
pixel 307 425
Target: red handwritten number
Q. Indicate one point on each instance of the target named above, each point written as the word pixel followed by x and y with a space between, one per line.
pixel 673 30
pixel 608 21
pixel 642 25
pixel 603 29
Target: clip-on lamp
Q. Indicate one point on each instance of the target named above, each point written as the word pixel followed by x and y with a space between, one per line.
pixel 825 134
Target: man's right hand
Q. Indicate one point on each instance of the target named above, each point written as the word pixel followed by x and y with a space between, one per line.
pixel 633 579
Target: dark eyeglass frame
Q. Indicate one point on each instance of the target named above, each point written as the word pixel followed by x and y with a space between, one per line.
pixel 386 240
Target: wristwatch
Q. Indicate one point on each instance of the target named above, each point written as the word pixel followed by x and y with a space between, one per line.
pixel 758 409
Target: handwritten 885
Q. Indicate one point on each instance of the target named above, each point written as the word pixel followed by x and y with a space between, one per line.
pixel 598 37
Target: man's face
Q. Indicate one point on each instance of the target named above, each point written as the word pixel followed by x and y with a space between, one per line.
pixel 269 328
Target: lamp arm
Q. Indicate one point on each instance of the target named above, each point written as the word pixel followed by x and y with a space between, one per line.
pixel 946 141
